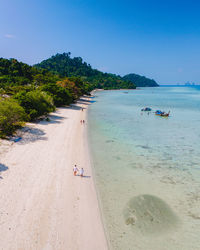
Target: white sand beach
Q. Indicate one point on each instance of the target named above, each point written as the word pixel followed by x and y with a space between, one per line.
pixel 42 205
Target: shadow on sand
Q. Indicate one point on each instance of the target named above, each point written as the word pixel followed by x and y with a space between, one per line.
pixel 84 101
pixel 31 135
pixel 74 107
pixel 53 119
pixel 84 176
pixel 28 134
pixel 81 101
pixel 2 169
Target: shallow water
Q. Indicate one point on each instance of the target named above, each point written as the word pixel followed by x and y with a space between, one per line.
pixel 137 155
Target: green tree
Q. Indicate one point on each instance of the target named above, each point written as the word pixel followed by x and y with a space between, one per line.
pixel 60 95
pixel 65 66
pixel 12 116
pixel 36 103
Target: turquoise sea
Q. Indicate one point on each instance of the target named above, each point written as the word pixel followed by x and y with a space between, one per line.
pixel 147 168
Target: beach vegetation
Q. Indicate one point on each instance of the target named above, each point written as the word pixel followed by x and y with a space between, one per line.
pixel 60 95
pixel 12 116
pixel 66 66
pixel 76 86
pixel 35 103
pixel 34 91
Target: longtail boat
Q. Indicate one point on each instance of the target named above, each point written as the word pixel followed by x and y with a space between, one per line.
pixel 162 113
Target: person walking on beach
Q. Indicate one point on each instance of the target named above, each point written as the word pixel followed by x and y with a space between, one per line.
pixel 75 170
pixel 81 121
pixel 81 172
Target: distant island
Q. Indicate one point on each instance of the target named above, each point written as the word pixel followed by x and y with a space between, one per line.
pixel 140 81
pixel 189 84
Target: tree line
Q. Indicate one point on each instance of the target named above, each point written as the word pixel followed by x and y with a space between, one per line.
pixel 28 92
pixel 65 66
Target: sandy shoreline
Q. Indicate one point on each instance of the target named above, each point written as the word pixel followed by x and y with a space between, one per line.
pixel 42 205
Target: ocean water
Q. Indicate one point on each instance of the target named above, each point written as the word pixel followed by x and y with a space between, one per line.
pixel 147 168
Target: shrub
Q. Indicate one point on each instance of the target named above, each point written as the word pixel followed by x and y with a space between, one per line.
pixel 12 116
pixel 36 103
pixel 75 85
pixel 60 95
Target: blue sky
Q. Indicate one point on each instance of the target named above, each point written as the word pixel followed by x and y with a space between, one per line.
pixel 158 39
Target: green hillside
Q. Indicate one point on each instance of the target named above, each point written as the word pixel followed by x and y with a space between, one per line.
pixel 140 81
pixel 65 66
pixel 28 92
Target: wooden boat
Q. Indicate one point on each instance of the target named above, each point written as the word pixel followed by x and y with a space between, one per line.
pixel 162 113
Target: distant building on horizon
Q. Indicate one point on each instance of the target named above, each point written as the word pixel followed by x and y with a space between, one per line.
pixel 189 84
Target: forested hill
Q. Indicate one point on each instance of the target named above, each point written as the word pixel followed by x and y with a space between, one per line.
pixel 66 66
pixel 140 81
pixel 28 92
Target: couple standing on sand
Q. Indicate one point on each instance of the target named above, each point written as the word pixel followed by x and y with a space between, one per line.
pixel 82 121
pixel 75 170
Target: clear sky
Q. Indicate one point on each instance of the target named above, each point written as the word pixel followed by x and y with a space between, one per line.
pixel 158 39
